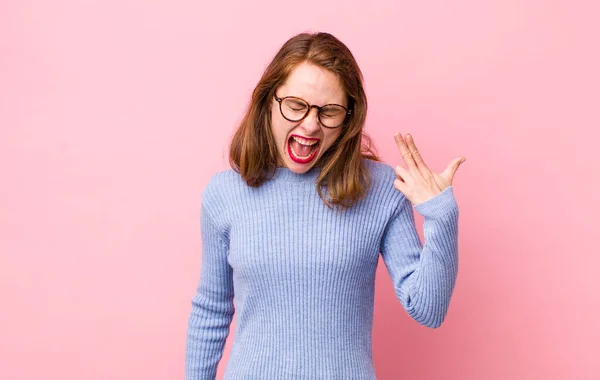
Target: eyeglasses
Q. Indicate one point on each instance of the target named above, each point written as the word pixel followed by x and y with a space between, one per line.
pixel 297 109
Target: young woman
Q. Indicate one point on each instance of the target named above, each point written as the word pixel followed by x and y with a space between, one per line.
pixel 293 232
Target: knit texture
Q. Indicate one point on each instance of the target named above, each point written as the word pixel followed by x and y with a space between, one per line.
pixel 303 275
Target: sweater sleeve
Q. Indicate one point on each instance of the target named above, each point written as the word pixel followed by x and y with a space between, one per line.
pixel 423 276
pixel 212 305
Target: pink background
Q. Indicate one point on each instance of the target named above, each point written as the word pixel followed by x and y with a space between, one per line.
pixel 114 114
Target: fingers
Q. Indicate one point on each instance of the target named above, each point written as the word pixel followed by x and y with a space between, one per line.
pixel 415 152
pixel 405 151
pixel 401 173
pixel 399 185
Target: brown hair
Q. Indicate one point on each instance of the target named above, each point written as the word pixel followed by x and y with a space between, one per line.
pixel 253 152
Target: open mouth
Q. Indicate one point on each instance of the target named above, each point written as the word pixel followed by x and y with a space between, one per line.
pixel 303 150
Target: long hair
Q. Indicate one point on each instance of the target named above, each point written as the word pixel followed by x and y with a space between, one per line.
pixel 253 152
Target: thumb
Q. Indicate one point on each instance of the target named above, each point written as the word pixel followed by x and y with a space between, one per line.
pixel 452 168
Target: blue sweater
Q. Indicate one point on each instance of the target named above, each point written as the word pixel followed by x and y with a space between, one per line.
pixel 303 275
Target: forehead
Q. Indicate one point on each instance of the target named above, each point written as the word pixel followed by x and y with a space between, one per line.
pixel 314 84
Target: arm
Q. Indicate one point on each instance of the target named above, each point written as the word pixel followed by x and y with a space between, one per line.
pixel 423 276
pixel 212 306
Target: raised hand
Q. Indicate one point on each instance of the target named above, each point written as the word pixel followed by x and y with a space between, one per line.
pixel 417 182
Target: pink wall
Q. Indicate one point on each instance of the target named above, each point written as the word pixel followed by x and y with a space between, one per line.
pixel 114 114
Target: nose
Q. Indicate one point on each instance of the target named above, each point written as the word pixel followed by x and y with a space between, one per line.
pixel 311 122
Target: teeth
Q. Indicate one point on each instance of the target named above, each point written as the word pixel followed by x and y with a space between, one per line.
pixel 305 142
pixel 300 157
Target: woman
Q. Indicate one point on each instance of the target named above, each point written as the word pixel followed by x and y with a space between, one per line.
pixel 293 232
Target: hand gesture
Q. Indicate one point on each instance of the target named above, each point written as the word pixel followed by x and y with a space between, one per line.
pixel 418 183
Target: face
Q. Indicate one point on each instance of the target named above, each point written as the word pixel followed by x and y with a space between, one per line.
pixel 317 86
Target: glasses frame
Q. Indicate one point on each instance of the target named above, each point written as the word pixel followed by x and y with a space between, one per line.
pixel 309 107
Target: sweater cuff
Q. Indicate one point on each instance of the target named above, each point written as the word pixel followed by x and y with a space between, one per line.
pixel 442 204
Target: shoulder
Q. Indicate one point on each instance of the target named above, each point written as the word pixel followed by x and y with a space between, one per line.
pixel 379 169
pixel 219 190
pixel 381 189
pixel 382 175
pixel 222 181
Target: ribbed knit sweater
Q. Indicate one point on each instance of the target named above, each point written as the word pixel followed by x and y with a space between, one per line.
pixel 303 276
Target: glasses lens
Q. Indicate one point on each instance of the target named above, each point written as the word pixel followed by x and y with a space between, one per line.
pixel 332 116
pixel 293 109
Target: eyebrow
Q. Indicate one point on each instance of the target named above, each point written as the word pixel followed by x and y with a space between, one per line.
pixel 324 104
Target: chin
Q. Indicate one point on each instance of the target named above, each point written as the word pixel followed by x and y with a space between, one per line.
pixel 298 167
